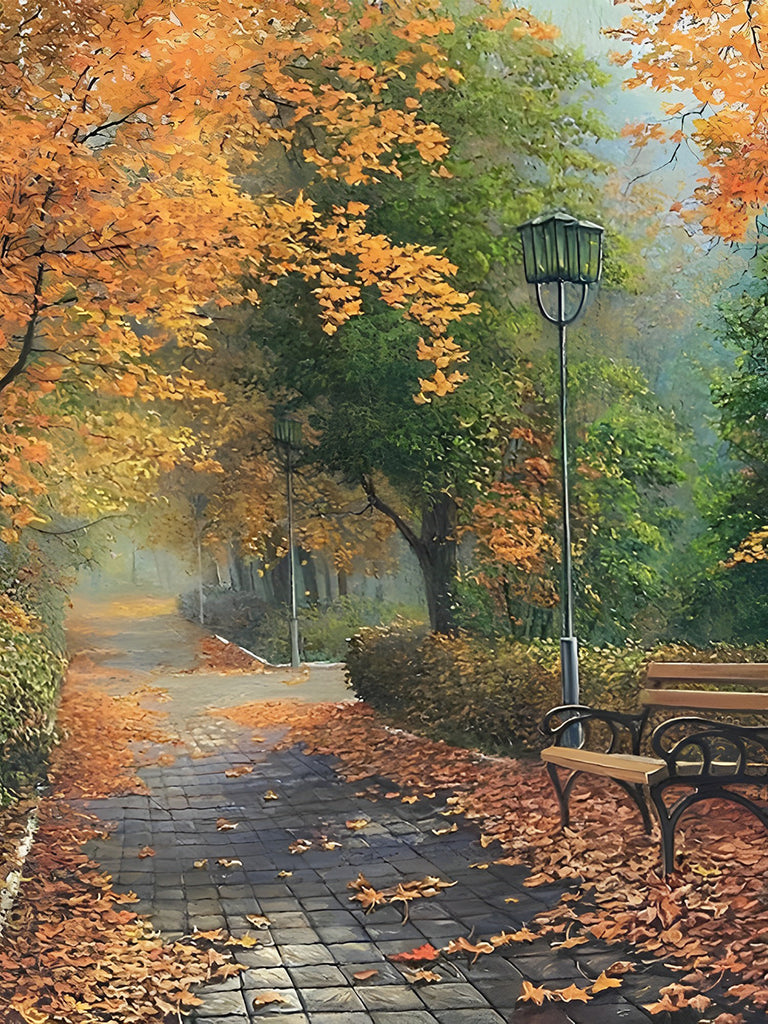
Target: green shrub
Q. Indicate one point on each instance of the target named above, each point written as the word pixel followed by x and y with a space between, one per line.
pixel 30 676
pixel 493 695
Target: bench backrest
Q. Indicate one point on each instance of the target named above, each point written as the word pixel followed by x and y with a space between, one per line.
pixel 659 693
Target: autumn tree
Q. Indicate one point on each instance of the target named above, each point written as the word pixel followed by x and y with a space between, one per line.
pixel 125 223
pixel 710 58
pixel 415 463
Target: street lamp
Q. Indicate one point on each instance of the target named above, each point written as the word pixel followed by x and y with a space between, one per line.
pixel 558 249
pixel 288 436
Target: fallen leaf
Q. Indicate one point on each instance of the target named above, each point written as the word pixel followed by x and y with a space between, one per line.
pixel 243 769
pixel 300 845
pixel 200 863
pixel 229 862
pixel 271 795
pixel 531 994
pixel 409 799
pixel 480 867
pixel 257 920
pixel 328 844
pixel 267 998
pixel 444 831
pixel 355 824
pixel 576 940
pixel 462 945
pixel 700 1002
pixel 572 994
pixel 145 851
pixel 246 941
pixel 365 975
pixel 604 982
pixel 420 974
pixel 284 874
pixel 418 955
pixel 225 826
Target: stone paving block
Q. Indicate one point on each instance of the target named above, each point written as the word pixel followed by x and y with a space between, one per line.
pixel 289 1003
pixel 302 956
pixel 609 1013
pixel 266 977
pixel 396 1017
pixel 216 1004
pixel 390 997
pixel 317 976
pixel 476 1015
pixel 451 995
pixel 330 999
pixel 260 956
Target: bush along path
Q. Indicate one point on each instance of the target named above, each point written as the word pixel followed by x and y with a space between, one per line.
pixel 274 856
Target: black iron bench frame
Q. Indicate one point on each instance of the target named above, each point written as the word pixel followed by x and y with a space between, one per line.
pixel 706 757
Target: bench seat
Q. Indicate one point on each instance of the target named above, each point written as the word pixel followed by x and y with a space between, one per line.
pixel 632 768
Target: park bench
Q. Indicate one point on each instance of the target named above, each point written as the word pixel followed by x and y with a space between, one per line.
pixel 709 758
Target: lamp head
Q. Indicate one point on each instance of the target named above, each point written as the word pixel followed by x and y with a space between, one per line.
pixel 288 431
pixel 557 247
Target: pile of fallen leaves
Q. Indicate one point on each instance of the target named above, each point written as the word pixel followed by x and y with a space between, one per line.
pixel 710 916
pixel 217 655
pixel 72 950
pixel 105 737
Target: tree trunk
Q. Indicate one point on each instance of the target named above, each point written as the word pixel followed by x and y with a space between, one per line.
pixel 435 548
pixel 342 580
pixel 437 557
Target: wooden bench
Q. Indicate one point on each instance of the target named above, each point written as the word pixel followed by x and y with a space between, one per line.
pixel 705 756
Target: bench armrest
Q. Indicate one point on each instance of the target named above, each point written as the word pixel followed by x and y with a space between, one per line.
pixel 614 727
pixel 694 746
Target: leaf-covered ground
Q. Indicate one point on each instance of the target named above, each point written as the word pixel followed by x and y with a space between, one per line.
pixel 709 919
pixel 72 949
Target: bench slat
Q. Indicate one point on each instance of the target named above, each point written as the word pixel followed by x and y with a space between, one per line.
pixel 705 700
pixel 754 673
pixel 627 767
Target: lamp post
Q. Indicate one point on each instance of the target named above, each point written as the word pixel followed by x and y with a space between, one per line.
pixel 288 436
pixel 560 250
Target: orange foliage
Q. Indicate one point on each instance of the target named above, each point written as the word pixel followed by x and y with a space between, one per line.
pixel 132 205
pixel 716 52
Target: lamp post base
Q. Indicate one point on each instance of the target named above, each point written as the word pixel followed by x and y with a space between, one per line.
pixel 295 656
pixel 569 668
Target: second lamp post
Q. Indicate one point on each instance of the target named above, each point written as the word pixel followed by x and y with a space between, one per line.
pixel 560 250
pixel 288 436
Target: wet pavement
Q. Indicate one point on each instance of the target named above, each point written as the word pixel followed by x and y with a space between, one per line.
pixel 318 948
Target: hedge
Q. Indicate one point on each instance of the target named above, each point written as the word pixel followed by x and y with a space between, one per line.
pixel 493 695
pixel 30 676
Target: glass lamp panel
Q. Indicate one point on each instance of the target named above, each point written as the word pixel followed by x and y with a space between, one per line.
pixel 288 431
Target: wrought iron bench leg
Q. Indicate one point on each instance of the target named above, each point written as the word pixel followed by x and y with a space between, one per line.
pixel 635 790
pixel 667 827
pixel 562 794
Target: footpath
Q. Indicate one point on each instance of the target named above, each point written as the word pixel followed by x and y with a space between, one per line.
pixel 268 848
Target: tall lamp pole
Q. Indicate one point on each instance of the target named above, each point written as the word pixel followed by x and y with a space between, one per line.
pixel 560 250
pixel 288 436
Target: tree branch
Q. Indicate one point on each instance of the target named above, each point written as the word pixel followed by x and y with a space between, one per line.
pixel 76 529
pixel 376 502
pixel 29 334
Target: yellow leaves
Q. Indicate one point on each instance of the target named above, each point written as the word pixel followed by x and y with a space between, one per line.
pixel 539 994
pixel 440 384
